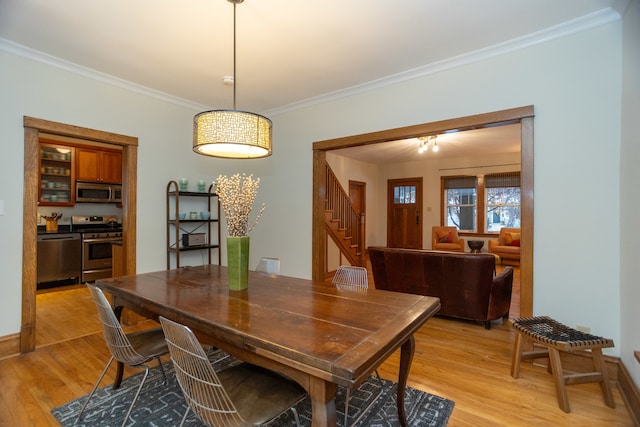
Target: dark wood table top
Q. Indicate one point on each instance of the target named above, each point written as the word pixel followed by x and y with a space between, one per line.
pixel 336 335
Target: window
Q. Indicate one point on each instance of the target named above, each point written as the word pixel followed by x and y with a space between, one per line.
pixel 498 205
pixel 404 194
pixel 502 201
pixel 460 207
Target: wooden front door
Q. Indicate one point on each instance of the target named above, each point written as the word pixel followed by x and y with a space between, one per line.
pixel 404 213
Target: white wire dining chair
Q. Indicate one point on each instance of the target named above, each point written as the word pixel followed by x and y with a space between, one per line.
pixel 240 395
pixel 354 278
pixel 133 349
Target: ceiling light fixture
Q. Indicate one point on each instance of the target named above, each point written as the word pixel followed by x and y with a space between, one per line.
pixel 425 141
pixel 423 145
pixel 232 134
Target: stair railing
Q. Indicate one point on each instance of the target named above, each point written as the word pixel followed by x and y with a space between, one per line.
pixel 339 203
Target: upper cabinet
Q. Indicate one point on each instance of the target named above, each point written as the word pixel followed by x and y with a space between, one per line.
pixel 57 181
pixel 99 165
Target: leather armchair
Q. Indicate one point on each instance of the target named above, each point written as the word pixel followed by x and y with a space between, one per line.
pixel 446 239
pixel 507 246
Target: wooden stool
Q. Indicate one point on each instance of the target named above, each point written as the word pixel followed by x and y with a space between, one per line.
pixel 557 337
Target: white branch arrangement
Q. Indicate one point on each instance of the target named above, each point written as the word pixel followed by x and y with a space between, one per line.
pixel 236 195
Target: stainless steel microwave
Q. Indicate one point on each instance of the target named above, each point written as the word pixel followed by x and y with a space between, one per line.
pixel 95 192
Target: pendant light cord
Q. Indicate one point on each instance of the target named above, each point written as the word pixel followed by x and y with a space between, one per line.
pixel 234 56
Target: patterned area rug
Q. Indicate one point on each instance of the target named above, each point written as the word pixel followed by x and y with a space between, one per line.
pixel 373 404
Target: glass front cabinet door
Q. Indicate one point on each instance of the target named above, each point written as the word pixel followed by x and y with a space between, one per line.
pixel 57 183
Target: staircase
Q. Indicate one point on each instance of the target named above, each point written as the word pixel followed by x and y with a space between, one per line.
pixel 343 224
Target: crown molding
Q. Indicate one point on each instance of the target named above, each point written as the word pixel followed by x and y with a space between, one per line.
pixel 583 23
pixel 45 58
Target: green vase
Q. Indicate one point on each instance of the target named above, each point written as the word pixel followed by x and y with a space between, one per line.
pixel 238 262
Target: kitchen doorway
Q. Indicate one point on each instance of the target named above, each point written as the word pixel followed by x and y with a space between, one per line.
pixel 33 128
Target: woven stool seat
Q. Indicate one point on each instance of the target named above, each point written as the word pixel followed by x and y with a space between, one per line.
pixel 545 329
pixel 555 336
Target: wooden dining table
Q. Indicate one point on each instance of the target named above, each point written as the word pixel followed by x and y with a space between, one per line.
pixel 318 334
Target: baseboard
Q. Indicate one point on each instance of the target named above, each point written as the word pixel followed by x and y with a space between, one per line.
pixel 9 345
pixel 629 393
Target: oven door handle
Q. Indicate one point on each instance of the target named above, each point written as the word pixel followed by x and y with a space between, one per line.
pixel 102 240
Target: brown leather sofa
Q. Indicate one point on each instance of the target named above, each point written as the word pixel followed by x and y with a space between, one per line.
pixel 465 283
pixel 507 246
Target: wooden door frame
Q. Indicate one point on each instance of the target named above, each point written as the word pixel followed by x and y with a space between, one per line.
pixel 419 197
pixel 33 127
pixel 523 115
pixel 363 191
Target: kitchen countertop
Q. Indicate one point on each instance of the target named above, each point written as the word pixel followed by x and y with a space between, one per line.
pixel 61 229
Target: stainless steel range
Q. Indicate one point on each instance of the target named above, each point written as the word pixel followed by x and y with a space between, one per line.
pixel 98 233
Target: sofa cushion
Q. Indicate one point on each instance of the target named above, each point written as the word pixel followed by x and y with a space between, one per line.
pixel 503 250
pixel 445 237
pixel 512 239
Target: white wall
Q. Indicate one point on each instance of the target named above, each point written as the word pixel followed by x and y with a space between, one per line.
pixel 573 82
pixel 630 202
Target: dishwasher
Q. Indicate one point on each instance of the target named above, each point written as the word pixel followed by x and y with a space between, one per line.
pixel 59 259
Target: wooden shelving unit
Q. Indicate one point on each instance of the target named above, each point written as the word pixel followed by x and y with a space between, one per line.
pixel 177 228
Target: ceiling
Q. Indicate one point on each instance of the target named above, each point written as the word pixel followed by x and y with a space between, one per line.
pixel 289 53
pixel 477 142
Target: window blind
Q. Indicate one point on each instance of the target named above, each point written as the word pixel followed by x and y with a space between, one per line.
pixel 460 182
pixel 507 179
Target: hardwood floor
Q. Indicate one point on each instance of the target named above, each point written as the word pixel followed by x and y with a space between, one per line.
pixel 458 360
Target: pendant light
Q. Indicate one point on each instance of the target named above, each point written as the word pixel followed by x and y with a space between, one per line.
pixel 232 134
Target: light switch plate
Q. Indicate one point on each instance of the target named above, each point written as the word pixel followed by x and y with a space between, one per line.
pixel 1 207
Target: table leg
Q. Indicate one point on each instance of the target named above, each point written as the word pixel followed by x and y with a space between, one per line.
pixel 323 405
pixel 406 357
pixel 119 365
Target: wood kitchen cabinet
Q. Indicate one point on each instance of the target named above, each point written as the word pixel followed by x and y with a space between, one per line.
pixel 99 165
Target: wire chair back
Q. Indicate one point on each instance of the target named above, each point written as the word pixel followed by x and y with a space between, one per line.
pixel 199 382
pixel 151 343
pixel 118 343
pixel 351 276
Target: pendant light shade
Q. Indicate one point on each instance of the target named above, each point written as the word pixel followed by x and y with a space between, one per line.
pixel 232 134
